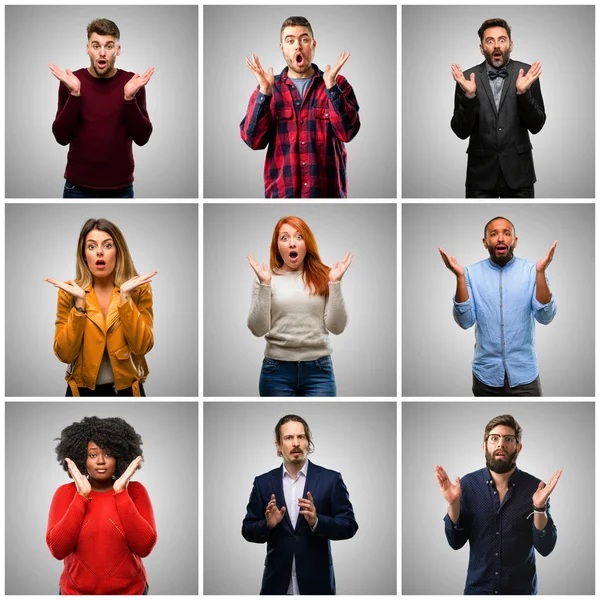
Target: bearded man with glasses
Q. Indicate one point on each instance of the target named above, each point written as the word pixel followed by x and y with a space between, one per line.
pixel 504 514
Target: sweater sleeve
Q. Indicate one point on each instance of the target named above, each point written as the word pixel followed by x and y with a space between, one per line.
pixel 137 120
pixel 137 518
pixel 70 326
pixel 259 318
pixel 66 121
pixel 335 310
pixel 67 513
pixel 138 322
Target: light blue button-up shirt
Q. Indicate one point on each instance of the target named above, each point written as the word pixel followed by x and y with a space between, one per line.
pixel 502 306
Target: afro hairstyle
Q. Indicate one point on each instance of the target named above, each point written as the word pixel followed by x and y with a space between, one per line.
pixel 113 434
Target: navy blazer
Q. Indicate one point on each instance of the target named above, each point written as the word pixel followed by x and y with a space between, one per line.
pixel 312 549
pixel 499 138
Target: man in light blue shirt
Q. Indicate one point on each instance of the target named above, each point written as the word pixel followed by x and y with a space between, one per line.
pixel 502 296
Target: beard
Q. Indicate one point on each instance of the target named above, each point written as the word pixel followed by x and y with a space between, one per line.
pixel 501 465
pixel 110 65
pixel 497 63
pixel 501 260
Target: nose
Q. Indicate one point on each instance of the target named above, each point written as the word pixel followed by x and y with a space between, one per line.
pixel 100 459
pixel 292 243
pixel 99 251
pixel 102 50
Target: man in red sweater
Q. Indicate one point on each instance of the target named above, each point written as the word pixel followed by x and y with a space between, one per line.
pixel 101 109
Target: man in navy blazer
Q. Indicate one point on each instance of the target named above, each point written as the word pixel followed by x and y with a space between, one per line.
pixel 297 508
pixel 496 105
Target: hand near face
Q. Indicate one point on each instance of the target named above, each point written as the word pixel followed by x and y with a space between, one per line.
pixel 524 81
pixel 468 86
pixel 133 86
pixel 263 273
pixel 73 84
pixel 543 263
pixel 274 515
pixel 451 492
pixel 121 483
pixel 70 287
pixel 307 508
pixel 543 493
pixel 452 263
pixel 81 483
pixel 133 283
pixel 339 268
pixel 329 74
pixel 266 81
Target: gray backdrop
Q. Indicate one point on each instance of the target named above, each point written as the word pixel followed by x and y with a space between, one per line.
pixel 170 474
pixel 41 241
pixel 232 169
pixel 357 439
pixel 436 353
pixel 434 163
pixel 556 435
pixel 364 355
pixel 164 37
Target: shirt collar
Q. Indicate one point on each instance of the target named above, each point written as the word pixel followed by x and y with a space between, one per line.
pixel 303 471
pixel 496 267
pixel 513 479
pixel 317 73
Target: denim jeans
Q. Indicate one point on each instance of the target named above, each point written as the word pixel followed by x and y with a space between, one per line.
pixel 297 378
pixel 75 191
pixel 527 389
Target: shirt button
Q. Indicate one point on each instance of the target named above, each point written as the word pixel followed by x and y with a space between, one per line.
pixel 496 554
pixel 496 592
pixel 297 103
pixel 499 128
pixel 302 143
pixel 494 493
pixel 303 164
pixel 496 573
pixel 305 184
pixel 502 324
pixel 326 114
pixel 301 121
pixel 497 533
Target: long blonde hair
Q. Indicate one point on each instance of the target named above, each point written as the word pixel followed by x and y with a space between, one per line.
pixel 124 267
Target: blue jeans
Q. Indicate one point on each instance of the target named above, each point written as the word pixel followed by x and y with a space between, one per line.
pixel 75 191
pixel 297 378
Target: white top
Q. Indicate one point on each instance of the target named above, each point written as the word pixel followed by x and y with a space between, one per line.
pixel 294 322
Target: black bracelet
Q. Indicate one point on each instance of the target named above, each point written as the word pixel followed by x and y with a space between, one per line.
pixel 80 310
pixel 539 510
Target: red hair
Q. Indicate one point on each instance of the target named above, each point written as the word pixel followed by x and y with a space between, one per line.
pixel 314 272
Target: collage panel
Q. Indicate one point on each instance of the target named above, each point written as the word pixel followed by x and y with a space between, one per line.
pixel 324 518
pixel 253 289
pixel 113 523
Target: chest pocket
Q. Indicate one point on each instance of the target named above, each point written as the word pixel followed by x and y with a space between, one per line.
pixel 123 353
pixel 322 122
pixel 283 118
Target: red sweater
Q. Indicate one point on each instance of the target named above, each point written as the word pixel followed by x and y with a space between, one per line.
pixel 100 124
pixel 101 539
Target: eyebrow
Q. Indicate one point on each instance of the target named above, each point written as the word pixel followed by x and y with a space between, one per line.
pixel 95 242
pixel 294 37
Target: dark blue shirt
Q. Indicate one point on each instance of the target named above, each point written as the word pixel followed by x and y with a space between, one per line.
pixel 501 537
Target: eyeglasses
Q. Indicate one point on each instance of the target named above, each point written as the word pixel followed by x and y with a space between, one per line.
pixel 509 439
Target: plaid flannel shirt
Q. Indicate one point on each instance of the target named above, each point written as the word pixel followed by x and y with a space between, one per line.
pixel 306 157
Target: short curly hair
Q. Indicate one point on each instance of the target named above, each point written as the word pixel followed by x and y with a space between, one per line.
pixel 112 434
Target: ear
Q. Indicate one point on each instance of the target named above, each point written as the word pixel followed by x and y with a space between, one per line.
pixel 118 49
pixel 314 44
pixel 481 49
pixel 281 46
pixel 510 48
pixel 516 242
pixel 485 244
pixel 87 49
pixel 277 447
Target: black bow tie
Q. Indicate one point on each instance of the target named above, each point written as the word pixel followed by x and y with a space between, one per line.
pixel 500 73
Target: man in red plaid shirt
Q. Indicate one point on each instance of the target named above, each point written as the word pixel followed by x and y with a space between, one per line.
pixel 304 116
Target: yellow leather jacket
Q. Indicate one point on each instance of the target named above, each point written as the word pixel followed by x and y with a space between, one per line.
pixel 126 332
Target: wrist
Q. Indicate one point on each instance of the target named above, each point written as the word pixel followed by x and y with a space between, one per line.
pixel 76 94
pixel 124 297
pixel 266 90
pixel 129 98
pixel 80 303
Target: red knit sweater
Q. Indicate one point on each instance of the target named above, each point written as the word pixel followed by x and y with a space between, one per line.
pixel 101 539
pixel 99 125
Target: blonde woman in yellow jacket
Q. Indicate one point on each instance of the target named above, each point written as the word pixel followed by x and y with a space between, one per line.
pixel 104 322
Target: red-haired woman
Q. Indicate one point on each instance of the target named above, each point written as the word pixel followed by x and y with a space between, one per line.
pixel 294 305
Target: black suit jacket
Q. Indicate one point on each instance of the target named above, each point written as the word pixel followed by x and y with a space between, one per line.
pixel 499 138
pixel 314 566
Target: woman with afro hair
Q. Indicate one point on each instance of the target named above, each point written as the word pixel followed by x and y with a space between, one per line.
pixel 294 305
pixel 102 524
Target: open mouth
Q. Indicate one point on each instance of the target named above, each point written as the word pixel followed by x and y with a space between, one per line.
pixel 498 55
pixel 100 264
pixel 501 249
pixel 299 59
pixel 293 254
pixel 102 64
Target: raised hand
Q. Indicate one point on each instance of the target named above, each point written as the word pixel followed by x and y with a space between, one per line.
pixel 69 286
pixel 452 263
pixel 135 282
pixel 307 508
pixel 468 85
pixel 73 84
pixel 339 268
pixel 266 81
pixel 524 81
pixel 263 273
pixel 329 74
pixel 541 495
pixel 274 515
pixel 81 483
pixel 133 86
pixel 542 264
pixel 451 492
pixel 121 483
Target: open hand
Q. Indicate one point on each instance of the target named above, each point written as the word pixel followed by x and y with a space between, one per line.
pixel 71 81
pixel 81 483
pixel 451 492
pixel 133 283
pixel 468 86
pixel 524 81
pixel 543 263
pixel 274 515
pixel 329 74
pixel 69 286
pixel 133 86
pixel 307 508
pixel 263 273
pixel 541 495
pixel 266 81
pixel 339 268
pixel 121 483
pixel 452 263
